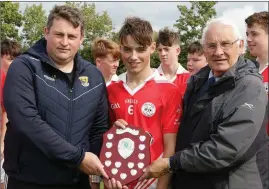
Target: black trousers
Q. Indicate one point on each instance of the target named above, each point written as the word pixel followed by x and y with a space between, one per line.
pixel 15 184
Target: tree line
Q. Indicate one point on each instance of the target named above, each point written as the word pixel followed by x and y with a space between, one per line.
pixel 28 27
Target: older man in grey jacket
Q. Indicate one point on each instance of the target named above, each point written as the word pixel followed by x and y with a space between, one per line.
pixel 222 141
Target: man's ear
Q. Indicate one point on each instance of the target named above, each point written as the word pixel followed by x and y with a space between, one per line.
pixel 46 32
pixel 241 47
pixel 81 39
pixel 242 42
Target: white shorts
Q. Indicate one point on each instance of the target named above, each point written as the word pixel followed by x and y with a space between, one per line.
pixel 2 173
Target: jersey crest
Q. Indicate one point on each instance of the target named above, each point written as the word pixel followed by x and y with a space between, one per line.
pixel 148 109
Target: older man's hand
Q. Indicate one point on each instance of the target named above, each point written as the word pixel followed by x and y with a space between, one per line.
pixel 157 169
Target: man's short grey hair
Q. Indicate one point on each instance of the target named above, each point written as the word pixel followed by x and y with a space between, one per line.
pixel 224 21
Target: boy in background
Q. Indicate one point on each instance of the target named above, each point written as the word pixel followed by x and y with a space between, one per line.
pixel 168 48
pixel 196 58
pixel 106 54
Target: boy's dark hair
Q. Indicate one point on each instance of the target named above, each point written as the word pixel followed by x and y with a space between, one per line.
pixel 71 14
pixel 167 37
pixel 102 47
pixel 10 47
pixel 260 18
pixel 195 47
pixel 140 30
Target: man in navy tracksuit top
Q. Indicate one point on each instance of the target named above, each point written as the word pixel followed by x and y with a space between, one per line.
pixel 57 109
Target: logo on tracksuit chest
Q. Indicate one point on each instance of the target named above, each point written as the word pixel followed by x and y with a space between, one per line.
pixel 84 81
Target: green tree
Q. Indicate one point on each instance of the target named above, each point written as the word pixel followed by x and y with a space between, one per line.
pixel 154 59
pixel 34 21
pixel 191 23
pixel 248 55
pixel 96 25
pixel 121 69
pixel 11 20
pixel 115 37
pixel 86 53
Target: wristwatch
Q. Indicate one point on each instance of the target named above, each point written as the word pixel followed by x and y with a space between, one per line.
pixel 169 166
pixel 95 179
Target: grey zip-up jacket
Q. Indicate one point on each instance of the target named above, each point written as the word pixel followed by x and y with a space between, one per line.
pixel 222 141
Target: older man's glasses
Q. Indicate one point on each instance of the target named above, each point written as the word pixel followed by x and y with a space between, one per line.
pixel 225 45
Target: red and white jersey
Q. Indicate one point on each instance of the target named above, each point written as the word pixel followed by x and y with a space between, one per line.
pixel 3 77
pixel 264 72
pixel 114 79
pixel 180 79
pixel 155 106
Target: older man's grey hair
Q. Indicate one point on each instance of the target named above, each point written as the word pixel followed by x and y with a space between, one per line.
pixel 223 21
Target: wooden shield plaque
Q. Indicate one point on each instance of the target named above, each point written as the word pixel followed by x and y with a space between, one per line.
pixel 125 153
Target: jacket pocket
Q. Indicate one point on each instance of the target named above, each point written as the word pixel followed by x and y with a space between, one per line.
pixel 12 151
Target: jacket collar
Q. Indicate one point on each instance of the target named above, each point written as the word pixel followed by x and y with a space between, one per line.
pixel 226 82
pixel 241 68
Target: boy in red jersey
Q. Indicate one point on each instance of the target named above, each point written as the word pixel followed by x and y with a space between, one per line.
pixel 9 51
pixel 3 77
pixel 168 48
pixel 3 120
pixel 143 98
pixel 257 40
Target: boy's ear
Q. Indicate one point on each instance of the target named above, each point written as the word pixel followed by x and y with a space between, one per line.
pixel 178 50
pixel 97 61
pixel 121 47
pixel 152 47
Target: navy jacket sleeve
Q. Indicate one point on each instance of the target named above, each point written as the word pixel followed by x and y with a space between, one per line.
pixel 100 124
pixel 21 108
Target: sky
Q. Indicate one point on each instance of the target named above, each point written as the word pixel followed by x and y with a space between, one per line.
pixel 161 14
